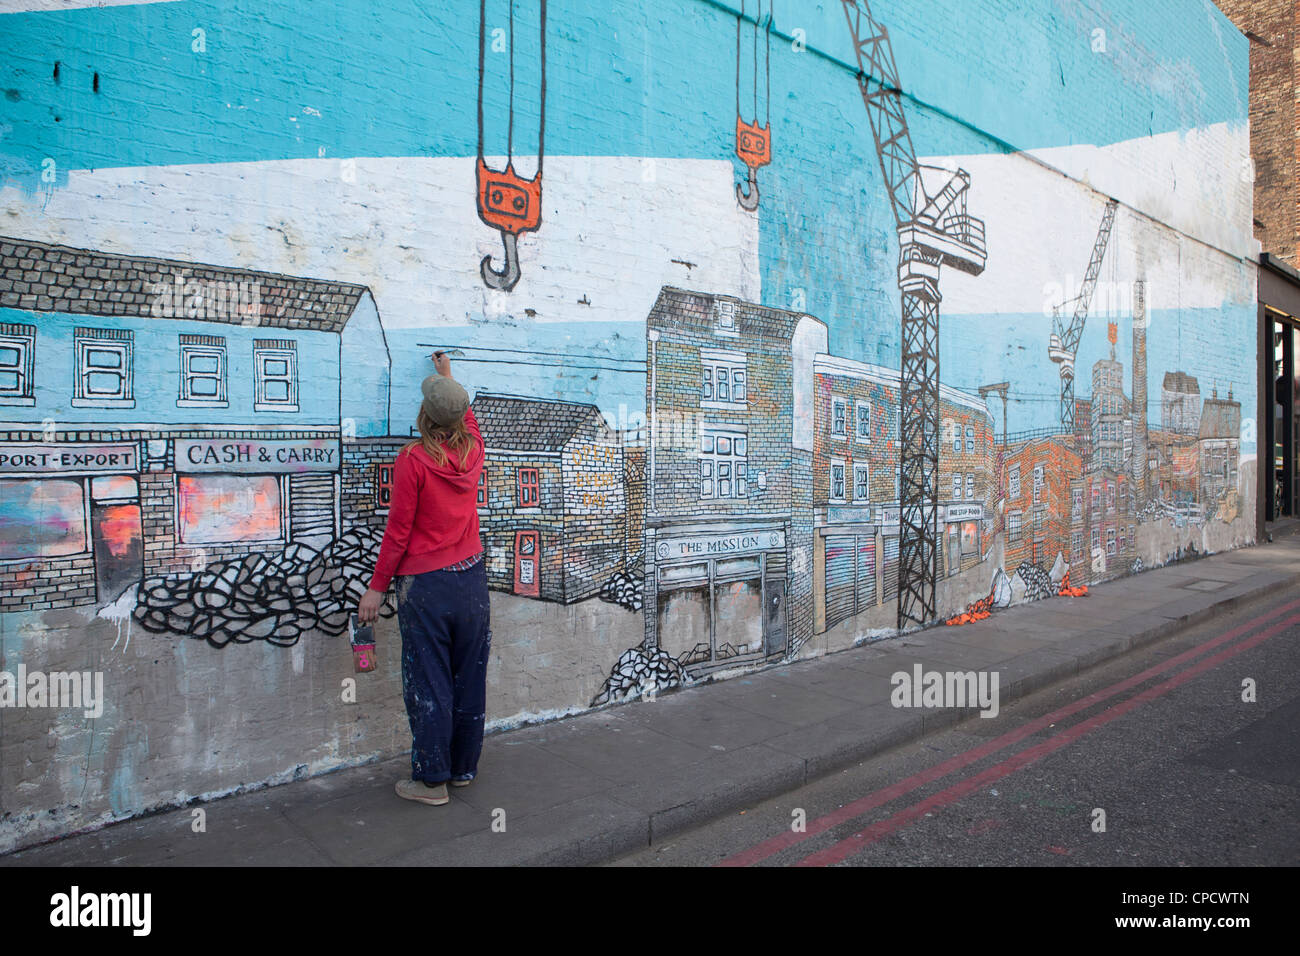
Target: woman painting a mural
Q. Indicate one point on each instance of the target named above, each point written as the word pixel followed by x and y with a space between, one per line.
pixel 431 545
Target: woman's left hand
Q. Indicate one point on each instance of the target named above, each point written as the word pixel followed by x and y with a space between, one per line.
pixel 368 607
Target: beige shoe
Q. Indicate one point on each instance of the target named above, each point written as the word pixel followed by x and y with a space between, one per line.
pixel 416 790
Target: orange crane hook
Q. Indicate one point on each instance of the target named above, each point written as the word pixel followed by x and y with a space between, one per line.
pixel 507 201
pixel 754 142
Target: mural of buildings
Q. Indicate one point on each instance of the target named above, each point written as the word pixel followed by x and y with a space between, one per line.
pixel 1218 446
pixel 200 406
pixel 165 425
pixel 552 497
pixel 855 486
pixel 1180 404
pixel 1042 488
pixel 728 519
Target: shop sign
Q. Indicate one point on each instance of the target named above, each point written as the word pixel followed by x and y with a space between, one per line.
pixel 704 546
pixel 239 456
pixel 33 458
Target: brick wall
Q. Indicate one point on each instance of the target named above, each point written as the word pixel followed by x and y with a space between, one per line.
pixel 358 499
pixel 1271 26
pixel 47 583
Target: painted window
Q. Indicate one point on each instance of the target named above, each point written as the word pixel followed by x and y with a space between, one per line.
pixel 480 493
pixel 1076 503
pixel 17 348
pixel 970 537
pixel 384 485
pixel 956 486
pixel 529 485
pixel 839 418
pixel 104 371
pixel 43 518
pixel 275 375
pixel 1110 541
pixel 954 429
pixel 212 509
pixel 1013 482
pixel 1038 484
pixel 724 315
pixel 863 432
pixel 970 484
pixel 837 481
pixel 1096 539
pixel 861 483
pixel 723 463
pixel 1014 521
pixel 723 377
pixel 970 438
pixel 203 370
pixel 1076 543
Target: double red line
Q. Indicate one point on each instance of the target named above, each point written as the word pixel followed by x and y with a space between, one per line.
pixel 875 831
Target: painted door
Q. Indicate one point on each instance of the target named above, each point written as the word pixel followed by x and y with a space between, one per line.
pixel 119 547
pixel 527 563
pixel 774 617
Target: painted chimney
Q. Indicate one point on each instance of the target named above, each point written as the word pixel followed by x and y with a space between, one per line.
pixel 1140 391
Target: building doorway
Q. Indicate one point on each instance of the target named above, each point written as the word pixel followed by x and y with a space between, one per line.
pixel 527 564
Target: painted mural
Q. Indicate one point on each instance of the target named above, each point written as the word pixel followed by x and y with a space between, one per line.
pixel 722 432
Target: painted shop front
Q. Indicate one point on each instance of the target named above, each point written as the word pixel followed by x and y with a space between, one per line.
pixel 246 490
pixel 74 505
pixel 856 556
pixel 720 593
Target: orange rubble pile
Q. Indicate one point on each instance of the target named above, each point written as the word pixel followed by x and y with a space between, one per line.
pixel 974 612
pixel 1067 591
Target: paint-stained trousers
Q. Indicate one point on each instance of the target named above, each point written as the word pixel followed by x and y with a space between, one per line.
pixel 443 617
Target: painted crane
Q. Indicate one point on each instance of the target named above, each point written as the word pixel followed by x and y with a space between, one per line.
pixel 1063 345
pixel 929 206
pixel 508 202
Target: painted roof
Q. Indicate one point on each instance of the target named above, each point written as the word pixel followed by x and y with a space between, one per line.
pixel 43 277
pixel 1181 382
pixel 1220 418
pixel 517 423
pixel 826 364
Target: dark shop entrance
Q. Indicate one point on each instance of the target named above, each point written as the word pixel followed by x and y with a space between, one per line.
pixel 1279 395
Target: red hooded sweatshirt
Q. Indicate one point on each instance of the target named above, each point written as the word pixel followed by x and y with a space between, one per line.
pixel 432 514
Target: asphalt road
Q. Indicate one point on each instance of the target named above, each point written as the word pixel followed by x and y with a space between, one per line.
pixel 1186 772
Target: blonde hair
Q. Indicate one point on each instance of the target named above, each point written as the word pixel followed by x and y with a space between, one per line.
pixel 436 439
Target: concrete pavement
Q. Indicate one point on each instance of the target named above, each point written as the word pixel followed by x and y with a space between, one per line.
pixel 591 787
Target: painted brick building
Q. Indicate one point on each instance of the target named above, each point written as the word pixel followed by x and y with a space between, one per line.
pixel 552 500
pixel 1218 446
pixel 1041 480
pixel 164 425
pixel 729 507
pixel 855 486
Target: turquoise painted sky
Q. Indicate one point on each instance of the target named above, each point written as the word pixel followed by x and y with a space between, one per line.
pixel 337 78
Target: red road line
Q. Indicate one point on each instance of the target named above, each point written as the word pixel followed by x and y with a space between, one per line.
pixel 859 841
pixel 782 841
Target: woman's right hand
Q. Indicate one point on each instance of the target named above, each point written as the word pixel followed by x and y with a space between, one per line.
pixel 442 363
pixel 368 607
